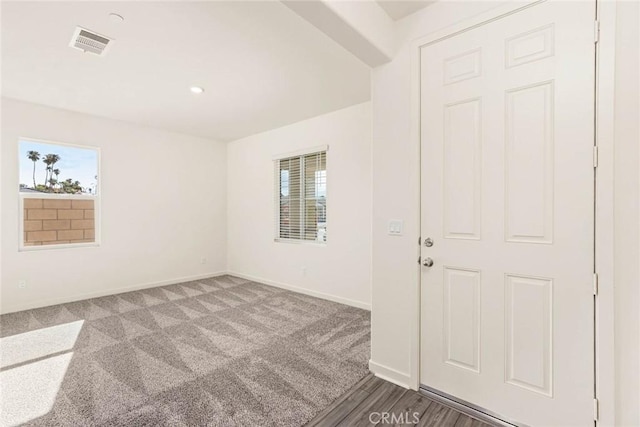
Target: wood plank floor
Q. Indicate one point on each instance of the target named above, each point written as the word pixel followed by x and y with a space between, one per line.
pixel 367 401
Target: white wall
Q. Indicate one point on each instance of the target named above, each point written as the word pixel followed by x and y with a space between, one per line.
pixel 395 274
pixel 339 270
pixel 163 209
pixel 626 214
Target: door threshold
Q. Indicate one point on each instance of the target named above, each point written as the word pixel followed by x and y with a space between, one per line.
pixel 467 408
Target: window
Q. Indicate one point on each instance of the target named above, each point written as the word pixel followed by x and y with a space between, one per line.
pixel 58 194
pixel 301 197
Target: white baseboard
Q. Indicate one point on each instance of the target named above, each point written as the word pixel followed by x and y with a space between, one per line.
pixel 391 375
pixel 63 300
pixel 300 290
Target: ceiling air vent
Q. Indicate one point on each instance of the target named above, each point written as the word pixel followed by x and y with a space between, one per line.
pixel 89 41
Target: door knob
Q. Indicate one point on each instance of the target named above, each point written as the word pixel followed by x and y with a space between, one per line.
pixel 428 262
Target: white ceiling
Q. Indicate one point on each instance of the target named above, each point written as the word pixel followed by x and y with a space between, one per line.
pixel 398 9
pixel 262 66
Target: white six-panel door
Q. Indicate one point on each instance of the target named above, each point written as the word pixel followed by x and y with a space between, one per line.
pixel 507 134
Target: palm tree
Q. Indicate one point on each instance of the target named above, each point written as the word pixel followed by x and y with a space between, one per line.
pixel 50 160
pixel 56 172
pixel 47 161
pixel 34 156
pixel 54 159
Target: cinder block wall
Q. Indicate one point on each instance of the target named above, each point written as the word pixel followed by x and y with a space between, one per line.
pixel 58 221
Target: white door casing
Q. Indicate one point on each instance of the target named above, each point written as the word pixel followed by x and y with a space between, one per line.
pixel 507 133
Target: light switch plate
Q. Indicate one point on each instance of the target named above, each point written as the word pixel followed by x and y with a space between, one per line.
pixel 395 227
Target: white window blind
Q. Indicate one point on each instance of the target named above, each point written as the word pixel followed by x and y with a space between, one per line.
pixel 301 197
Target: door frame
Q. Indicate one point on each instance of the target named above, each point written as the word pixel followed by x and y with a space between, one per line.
pixel 604 139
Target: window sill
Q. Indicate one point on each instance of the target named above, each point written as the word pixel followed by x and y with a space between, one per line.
pixel 300 242
pixel 55 247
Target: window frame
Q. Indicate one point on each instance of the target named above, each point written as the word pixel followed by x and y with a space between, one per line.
pixel 277 196
pixel 95 197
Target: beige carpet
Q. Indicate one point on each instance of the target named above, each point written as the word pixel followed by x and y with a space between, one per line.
pixel 221 351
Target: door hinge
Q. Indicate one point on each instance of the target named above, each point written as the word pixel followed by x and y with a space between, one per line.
pixel 419 240
pixel 596 31
pixel 595 284
pixel 419 259
pixel 596 409
pixel 595 156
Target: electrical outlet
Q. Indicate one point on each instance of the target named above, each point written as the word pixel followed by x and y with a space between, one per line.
pixel 22 284
pixel 203 260
pixel 304 271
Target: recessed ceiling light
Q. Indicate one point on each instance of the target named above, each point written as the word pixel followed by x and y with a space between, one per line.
pixel 197 89
pixel 114 17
